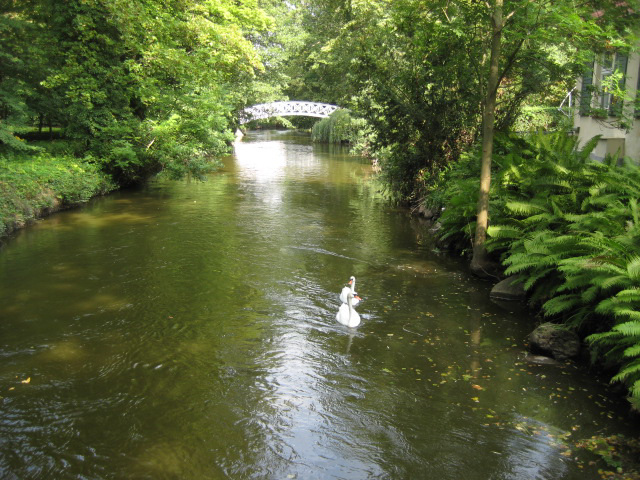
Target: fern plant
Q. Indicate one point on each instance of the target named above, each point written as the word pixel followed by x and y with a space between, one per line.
pixel 570 227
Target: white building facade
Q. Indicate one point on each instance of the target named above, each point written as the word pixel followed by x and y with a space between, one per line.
pixel 599 112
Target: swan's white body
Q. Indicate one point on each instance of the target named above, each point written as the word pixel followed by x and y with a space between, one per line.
pixel 346 314
pixel 350 289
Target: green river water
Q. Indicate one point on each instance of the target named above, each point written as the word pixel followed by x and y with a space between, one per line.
pixel 187 330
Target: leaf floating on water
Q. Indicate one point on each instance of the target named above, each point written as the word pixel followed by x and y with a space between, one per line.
pixel 477 387
pixel 28 380
pixel 475 399
pixel 386 370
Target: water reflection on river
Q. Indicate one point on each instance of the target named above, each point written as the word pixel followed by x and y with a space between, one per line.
pixel 187 330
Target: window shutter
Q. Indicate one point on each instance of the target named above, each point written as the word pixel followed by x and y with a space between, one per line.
pixel 586 91
pixel 616 102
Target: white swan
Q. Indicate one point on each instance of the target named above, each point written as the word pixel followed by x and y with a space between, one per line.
pixel 346 314
pixel 351 288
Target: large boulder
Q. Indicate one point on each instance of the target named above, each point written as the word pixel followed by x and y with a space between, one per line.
pixel 509 289
pixel 554 341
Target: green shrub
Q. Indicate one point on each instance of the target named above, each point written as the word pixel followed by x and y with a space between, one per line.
pixel 340 127
pixel 30 184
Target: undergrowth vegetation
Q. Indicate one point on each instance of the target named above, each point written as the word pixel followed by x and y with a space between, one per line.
pixel 31 184
pixel 569 227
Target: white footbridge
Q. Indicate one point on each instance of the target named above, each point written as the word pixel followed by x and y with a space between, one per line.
pixel 284 109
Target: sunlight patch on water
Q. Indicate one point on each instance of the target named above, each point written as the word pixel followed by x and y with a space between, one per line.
pixel 67 351
pixel 101 302
pixel 85 219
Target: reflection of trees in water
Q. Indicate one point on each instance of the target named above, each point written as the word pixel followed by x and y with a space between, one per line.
pixel 475 338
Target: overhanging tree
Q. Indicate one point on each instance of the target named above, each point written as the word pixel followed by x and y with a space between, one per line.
pixel 138 86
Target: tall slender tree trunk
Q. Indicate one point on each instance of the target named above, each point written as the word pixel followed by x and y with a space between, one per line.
pixel 479 260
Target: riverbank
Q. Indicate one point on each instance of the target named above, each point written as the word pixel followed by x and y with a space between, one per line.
pixel 33 186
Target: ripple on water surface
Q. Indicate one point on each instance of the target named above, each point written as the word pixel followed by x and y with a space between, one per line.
pixel 187 330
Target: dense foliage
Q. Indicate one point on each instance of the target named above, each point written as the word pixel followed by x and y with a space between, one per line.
pixel 31 184
pixel 569 226
pixel 416 71
pixel 137 86
pixel 340 127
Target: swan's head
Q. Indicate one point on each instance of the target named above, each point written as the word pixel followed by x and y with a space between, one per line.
pixel 351 280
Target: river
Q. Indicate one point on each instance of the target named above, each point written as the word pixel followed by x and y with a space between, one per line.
pixel 187 330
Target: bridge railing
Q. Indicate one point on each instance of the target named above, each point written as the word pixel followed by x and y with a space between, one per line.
pixel 284 109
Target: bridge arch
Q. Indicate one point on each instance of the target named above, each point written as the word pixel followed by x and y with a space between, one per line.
pixel 284 109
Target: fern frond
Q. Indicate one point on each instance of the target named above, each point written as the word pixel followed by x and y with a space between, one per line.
pixel 635 391
pixel 534 278
pixel 614 281
pixel 550 183
pixel 524 208
pixel 599 244
pixel 607 306
pixel 632 368
pixel 604 338
pixel 630 329
pixel 516 258
pixel 629 295
pixel 520 267
pixel 560 304
pixel 590 294
pixel 635 213
pixel 585 152
pixel 541 218
pixel 504 231
pixel 573 282
pixel 633 351
pixel 633 268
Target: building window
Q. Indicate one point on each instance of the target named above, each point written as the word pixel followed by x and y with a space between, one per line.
pixel 607 103
pixel 606 70
pixel 586 91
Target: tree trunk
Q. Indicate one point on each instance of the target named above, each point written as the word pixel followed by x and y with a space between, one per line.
pixel 479 261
